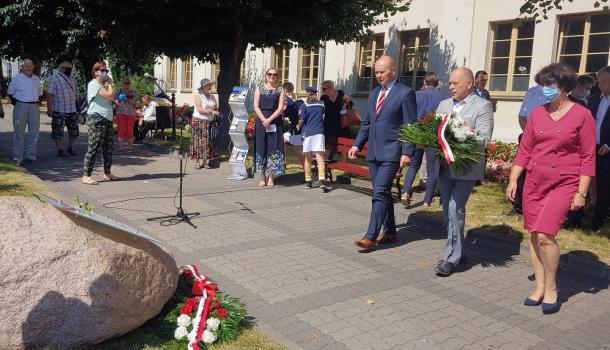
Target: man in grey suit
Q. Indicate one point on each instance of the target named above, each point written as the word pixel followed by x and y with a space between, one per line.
pixel 390 106
pixel 455 187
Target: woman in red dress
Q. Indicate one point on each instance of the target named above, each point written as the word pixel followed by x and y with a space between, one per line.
pixel 558 151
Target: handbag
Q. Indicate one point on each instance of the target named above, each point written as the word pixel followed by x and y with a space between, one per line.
pixel 214 131
pixel 350 118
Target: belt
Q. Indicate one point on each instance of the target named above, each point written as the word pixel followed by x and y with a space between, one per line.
pixel 30 103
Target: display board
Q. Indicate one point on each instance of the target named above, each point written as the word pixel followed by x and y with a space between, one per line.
pixel 237 133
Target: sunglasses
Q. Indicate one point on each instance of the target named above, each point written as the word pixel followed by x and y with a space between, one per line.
pixel 104 70
pixel 65 67
pixel 272 74
pixel 127 83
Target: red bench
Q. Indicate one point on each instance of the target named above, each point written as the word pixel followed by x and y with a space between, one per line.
pixel 346 164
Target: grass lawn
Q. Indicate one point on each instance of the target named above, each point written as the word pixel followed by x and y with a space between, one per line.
pixel 487 208
pixel 14 182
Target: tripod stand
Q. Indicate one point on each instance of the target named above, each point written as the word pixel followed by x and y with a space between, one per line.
pixel 181 214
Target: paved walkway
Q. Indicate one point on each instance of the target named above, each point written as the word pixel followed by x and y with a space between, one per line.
pixel 287 253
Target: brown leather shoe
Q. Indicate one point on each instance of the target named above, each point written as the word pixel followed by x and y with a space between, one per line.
pixel 387 238
pixel 405 199
pixel 365 243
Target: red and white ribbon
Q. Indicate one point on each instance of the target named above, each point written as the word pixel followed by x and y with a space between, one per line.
pixel 443 141
pixel 201 286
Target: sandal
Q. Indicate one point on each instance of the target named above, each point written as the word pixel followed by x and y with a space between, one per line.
pixel 87 180
pixel 110 177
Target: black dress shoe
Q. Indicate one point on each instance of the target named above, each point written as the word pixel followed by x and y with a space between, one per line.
pixel 71 151
pixel 61 153
pixel 444 269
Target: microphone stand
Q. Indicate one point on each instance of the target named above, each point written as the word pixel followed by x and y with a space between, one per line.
pixel 181 215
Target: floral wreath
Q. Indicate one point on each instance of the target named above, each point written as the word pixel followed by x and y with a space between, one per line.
pixel 207 315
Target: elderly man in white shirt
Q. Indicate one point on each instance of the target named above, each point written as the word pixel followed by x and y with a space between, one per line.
pixel 24 91
pixel 148 119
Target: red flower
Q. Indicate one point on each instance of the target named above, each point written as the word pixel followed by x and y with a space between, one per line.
pixel 186 309
pixel 217 304
pixel 222 313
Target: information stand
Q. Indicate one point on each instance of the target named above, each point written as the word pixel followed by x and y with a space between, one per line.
pixel 237 133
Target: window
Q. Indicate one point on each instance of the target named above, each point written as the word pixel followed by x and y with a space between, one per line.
pixel 214 75
pixel 187 75
pixel 281 61
pixel 584 42
pixel 511 56
pixel 172 73
pixel 370 50
pixel 310 61
pixel 414 57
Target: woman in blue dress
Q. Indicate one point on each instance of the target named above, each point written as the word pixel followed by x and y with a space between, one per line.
pixel 269 158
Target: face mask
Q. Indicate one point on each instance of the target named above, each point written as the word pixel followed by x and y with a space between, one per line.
pixel 550 92
pixel 101 74
pixel 67 71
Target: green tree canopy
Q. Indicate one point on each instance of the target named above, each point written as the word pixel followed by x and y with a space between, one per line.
pixel 539 8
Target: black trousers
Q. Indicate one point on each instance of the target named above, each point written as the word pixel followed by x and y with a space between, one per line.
pixel 602 181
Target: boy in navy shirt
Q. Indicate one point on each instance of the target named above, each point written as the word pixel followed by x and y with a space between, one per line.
pixel 311 125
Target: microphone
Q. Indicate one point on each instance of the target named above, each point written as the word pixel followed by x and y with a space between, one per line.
pixel 148 76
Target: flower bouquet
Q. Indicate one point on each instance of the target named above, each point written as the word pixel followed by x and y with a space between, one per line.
pixel 453 140
pixel 500 156
pixel 207 315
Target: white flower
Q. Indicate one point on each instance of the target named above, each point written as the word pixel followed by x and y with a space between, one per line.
pixel 209 337
pixel 183 320
pixel 212 323
pixel 180 333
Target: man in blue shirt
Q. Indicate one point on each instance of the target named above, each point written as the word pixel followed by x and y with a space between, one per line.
pixel 428 99
pixel 311 125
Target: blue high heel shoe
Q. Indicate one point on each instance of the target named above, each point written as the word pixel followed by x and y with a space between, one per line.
pixel 532 302
pixel 548 309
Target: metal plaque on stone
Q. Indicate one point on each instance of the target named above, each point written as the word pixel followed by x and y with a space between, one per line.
pixel 87 216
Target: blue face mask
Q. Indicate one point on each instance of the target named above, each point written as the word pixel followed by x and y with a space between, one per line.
pixel 550 92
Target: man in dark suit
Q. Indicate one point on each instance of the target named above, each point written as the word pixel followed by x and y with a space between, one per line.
pixel 480 82
pixel 390 106
pixel 428 99
pixel 599 105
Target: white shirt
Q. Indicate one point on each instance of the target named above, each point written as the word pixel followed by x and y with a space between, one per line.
pixel 604 103
pixel 24 88
pixel 388 87
pixel 208 103
pixel 457 106
pixel 150 113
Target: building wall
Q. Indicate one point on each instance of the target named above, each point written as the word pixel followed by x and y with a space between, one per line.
pixel 460 34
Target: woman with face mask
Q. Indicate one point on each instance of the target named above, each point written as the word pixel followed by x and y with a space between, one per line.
pixel 100 94
pixel 558 151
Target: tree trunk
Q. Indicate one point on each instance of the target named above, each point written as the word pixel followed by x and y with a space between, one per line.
pixel 231 54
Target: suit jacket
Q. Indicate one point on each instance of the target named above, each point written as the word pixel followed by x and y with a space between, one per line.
pixel 483 93
pixel 478 114
pixel 593 105
pixel 427 101
pixel 399 108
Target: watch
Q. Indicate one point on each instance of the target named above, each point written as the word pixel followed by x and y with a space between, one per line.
pixel 583 194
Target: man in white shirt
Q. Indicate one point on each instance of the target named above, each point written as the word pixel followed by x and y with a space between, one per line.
pixel 148 118
pixel 25 90
pixel 599 106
